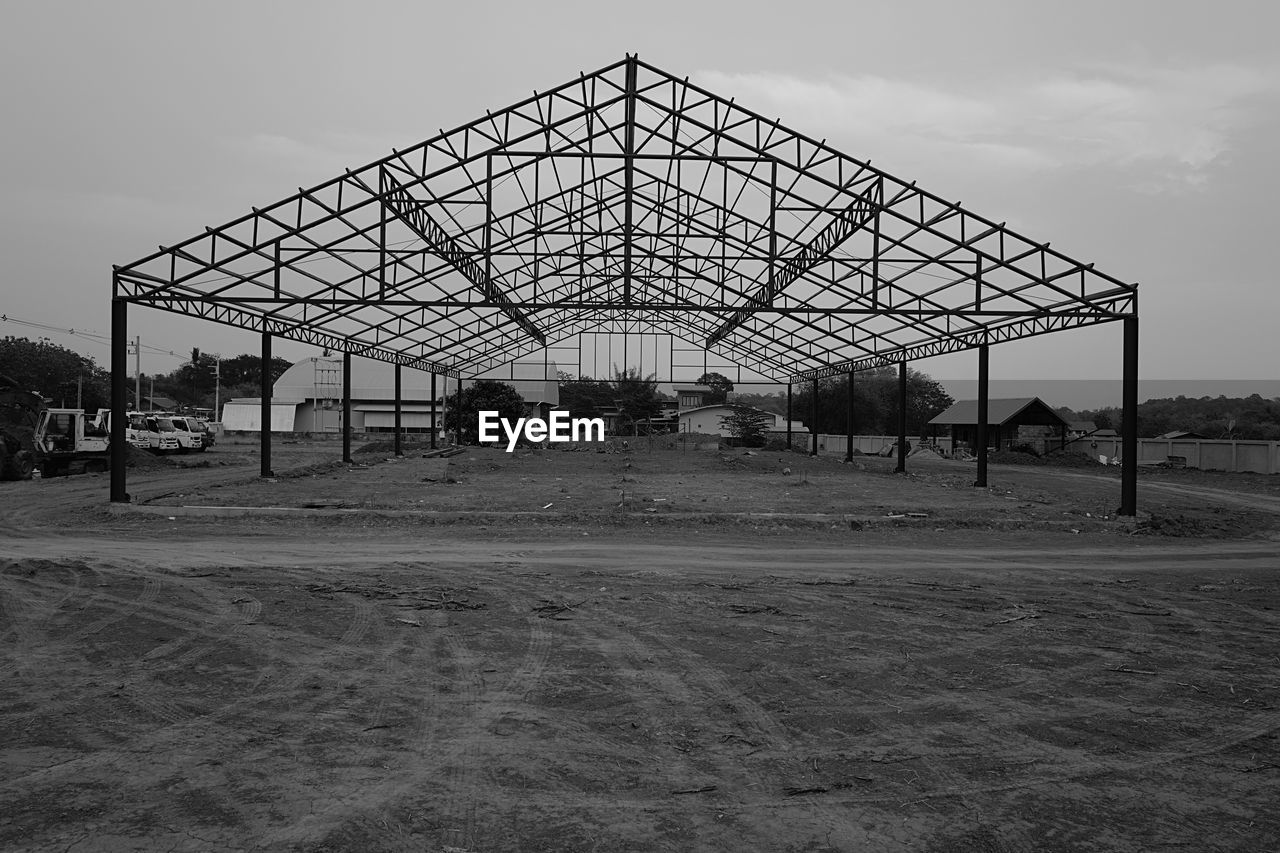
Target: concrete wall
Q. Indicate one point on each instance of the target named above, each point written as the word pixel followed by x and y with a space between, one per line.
pixel 868 444
pixel 1260 457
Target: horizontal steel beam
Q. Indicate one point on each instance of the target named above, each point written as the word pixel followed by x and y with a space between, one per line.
pixel 574 305
pixel 1025 328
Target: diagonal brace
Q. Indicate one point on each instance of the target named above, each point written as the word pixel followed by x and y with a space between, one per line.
pixel 409 210
pixel 859 212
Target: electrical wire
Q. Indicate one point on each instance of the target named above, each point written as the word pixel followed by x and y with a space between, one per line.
pixel 96 337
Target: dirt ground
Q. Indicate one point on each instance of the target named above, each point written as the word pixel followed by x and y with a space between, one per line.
pixel 653 650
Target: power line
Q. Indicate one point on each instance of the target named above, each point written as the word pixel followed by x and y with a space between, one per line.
pixel 97 337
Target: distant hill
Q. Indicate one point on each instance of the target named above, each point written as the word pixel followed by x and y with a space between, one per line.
pixel 1081 394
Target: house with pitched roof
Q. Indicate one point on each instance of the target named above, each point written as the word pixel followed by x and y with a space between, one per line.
pixel 1010 423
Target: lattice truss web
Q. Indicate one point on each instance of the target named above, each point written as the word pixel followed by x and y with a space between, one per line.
pixel 625 200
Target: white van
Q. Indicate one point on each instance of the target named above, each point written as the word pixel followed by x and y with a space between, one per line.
pixel 176 427
pixel 143 431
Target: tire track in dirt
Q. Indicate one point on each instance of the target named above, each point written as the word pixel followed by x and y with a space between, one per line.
pixel 28 613
pixel 370 804
pixel 305 785
pixel 19 611
pixel 151 696
pixel 660 679
pixel 458 764
pixel 177 723
pixel 371 813
pixel 783 752
pixel 52 644
pixel 209 604
pixel 1143 636
pixel 945 779
pixel 1239 734
pixel 467 767
pixel 444 746
pixel 649 689
pixel 1138 635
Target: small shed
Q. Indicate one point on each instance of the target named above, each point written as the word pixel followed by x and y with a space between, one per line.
pixel 1079 429
pixel 1010 423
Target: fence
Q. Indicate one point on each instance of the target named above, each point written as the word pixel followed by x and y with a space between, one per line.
pixel 1260 457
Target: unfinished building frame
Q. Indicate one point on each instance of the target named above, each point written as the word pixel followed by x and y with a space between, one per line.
pixel 626 201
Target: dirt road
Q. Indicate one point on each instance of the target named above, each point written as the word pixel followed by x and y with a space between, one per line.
pixel 202 684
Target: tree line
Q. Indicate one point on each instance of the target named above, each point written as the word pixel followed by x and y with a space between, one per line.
pixel 65 376
pixel 875 397
pixel 875 402
pixel 1252 418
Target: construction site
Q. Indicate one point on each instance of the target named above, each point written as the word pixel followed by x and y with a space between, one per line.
pixel 287 640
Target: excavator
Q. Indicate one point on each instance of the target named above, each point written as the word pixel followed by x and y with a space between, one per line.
pixel 68 438
pixel 19 414
pixel 55 441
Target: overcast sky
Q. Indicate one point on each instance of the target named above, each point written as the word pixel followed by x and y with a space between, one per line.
pixel 1141 136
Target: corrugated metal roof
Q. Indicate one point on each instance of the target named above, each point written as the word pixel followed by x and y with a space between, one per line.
pixel 999 412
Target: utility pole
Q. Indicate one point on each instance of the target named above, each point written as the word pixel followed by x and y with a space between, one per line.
pixel 137 372
pixel 217 388
pixel 444 406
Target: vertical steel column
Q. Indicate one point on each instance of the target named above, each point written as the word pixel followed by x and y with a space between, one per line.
pixel 346 405
pixel 119 392
pixel 813 421
pixel 399 451
pixel 980 439
pixel 902 418
pixel 629 172
pixel 788 416
pixel 1129 421
pixel 435 410
pixel 848 420
pixel 264 407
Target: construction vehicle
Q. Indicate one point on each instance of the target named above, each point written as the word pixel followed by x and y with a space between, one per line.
pixel 19 413
pixel 69 438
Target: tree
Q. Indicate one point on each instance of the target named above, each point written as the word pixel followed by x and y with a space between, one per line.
pixel 720 386
pixel 484 396
pixel 55 372
pixel 776 403
pixel 1102 418
pixel 191 384
pixel 585 397
pixel 246 369
pixel 637 398
pixel 749 426
pixel 875 402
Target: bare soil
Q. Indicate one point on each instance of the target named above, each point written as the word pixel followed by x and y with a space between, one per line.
pixel 697 650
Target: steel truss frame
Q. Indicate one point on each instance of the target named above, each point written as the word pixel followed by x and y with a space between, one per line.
pixel 626 198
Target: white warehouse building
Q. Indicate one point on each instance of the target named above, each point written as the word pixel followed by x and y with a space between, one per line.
pixel 307 398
